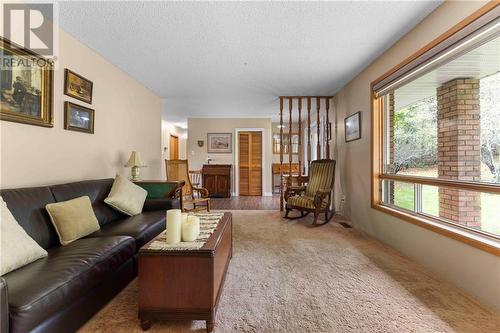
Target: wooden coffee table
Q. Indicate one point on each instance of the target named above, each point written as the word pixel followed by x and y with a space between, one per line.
pixel 185 285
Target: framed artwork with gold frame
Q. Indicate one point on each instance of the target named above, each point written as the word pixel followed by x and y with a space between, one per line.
pixel 78 118
pixel 77 86
pixel 26 86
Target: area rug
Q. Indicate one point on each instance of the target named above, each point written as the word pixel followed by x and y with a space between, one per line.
pixel 288 277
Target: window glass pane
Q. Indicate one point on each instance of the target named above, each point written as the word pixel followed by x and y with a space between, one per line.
pixel 475 210
pixel 399 194
pixel 446 123
pixel 430 200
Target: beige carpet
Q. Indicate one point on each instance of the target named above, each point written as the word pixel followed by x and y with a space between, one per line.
pixel 286 277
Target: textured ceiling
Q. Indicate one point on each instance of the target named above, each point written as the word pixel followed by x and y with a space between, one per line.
pixel 215 59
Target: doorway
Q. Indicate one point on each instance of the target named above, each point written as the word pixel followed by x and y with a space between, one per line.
pixel 174 147
pixel 250 163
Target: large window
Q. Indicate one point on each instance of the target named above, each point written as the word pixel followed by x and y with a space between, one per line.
pixel 436 134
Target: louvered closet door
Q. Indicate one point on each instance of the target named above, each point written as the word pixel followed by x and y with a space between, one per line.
pixel 250 163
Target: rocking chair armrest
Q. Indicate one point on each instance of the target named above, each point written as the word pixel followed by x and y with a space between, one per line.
pixel 320 196
pixel 203 191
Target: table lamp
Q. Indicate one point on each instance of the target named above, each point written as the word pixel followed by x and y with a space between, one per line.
pixel 135 163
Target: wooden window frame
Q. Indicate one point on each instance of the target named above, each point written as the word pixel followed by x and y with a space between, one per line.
pixel 475 238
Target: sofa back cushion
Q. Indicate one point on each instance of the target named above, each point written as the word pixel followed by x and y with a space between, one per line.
pixel 27 205
pixel 96 190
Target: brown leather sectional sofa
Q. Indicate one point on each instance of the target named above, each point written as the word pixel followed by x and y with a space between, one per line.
pixel 61 292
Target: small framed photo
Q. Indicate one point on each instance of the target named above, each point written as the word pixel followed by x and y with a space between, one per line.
pixel 77 86
pixel 352 126
pixel 78 118
pixel 219 143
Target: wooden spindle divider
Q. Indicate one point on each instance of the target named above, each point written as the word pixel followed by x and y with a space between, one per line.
pixel 300 136
pixel 281 154
pixel 308 133
pixel 318 128
pixel 326 132
pixel 327 129
pixel 290 148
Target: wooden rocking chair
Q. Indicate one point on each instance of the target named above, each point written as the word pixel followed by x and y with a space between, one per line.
pixel 192 198
pixel 316 196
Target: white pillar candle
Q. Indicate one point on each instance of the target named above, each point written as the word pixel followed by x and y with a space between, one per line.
pixel 173 226
pixel 191 229
pixel 196 221
pixel 184 217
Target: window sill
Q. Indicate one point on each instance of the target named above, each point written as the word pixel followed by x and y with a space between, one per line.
pixel 477 240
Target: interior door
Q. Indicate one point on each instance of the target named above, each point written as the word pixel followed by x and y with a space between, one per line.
pixel 174 147
pixel 250 163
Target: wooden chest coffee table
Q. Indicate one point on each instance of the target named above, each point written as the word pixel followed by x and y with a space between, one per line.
pixel 187 284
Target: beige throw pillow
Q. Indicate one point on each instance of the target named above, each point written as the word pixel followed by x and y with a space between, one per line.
pixel 126 197
pixel 73 219
pixel 17 247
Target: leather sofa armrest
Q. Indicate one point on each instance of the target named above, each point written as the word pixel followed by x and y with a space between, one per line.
pixel 4 307
pixel 161 204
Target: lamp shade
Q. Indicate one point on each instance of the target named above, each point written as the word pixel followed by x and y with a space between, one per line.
pixel 134 160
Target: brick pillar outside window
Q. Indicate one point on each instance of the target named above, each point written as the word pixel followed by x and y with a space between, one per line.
pixel 459 153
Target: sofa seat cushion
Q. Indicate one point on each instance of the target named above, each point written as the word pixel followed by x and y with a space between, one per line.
pixel 46 286
pixel 142 227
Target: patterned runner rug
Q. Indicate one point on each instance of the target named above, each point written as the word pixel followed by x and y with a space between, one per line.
pixel 208 224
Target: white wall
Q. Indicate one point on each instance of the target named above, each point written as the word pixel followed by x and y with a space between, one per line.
pixel 198 129
pixel 127 117
pixel 475 271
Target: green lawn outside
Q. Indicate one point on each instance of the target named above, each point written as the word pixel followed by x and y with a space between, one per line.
pixel 490 204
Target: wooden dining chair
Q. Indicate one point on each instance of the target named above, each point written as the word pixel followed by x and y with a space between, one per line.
pixel 192 198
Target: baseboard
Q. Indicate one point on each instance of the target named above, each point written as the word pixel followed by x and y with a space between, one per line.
pixel 267 194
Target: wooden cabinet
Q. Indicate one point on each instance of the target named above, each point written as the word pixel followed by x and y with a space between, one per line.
pixel 185 284
pixel 277 168
pixel 217 180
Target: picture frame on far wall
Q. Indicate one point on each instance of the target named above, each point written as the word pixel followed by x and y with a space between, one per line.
pixel 26 91
pixel 352 126
pixel 78 118
pixel 219 143
pixel 77 86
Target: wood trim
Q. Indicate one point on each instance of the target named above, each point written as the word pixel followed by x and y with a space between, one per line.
pixel 376 143
pixel 424 223
pixel 306 96
pixel 460 25
pixel 377 128
pixel 461 184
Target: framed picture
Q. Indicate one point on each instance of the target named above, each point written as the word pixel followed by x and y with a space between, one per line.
pixel 77 86
pixel 219 143
pixel 26 86
pixel 78 118
pixel 352 126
